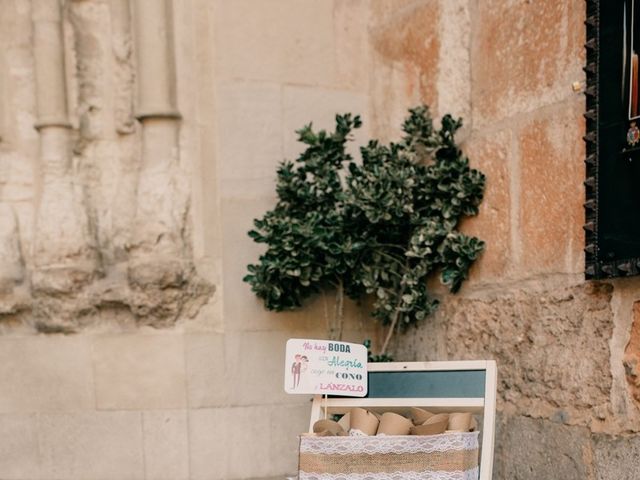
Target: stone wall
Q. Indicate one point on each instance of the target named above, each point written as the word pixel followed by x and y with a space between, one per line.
pixel 138 140
pixel 567 350
pixel 133 162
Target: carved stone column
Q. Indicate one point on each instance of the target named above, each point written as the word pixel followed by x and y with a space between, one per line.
pixel 124 72
pixel 64 255
pixel 123 215
pixel 159 253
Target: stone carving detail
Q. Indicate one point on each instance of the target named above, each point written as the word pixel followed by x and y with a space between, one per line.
pixel 111 229
pixel 12 272
pixel 160 256
pixel 122 46
pixel 64 254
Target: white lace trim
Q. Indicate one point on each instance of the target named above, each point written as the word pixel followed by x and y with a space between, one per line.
pixel 389 444
pixel 354 432
pixel 427 475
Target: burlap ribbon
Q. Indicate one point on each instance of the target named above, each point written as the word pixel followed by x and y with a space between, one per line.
pixel 450 452
pixel 460 460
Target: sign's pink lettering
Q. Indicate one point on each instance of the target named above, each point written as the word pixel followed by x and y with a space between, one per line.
pixel 340 387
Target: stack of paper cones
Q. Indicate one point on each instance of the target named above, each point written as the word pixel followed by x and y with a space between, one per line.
pixel 361 422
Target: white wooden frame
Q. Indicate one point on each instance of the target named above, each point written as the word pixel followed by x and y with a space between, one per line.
pixel 485 406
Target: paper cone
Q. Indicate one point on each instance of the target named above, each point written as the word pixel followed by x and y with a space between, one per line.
pixel 433 426
pixel 474 425
pixel 326 427
pixel 363 422
pixel 418 416
pixel 345 421
pixel 459 422
pixel 394 424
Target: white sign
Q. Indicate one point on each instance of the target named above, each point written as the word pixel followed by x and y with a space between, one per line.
pixel 325 367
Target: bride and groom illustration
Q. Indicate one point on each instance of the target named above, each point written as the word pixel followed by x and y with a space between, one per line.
pixel 298 367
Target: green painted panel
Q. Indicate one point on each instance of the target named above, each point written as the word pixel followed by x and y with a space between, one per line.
pixel 431 384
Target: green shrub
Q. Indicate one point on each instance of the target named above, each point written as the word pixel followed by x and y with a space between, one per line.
pixel 376 228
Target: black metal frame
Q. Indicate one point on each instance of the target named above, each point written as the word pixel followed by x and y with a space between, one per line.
pixel 596 266
pixel 593 269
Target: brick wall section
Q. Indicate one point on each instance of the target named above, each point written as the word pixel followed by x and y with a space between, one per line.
pixel 567 350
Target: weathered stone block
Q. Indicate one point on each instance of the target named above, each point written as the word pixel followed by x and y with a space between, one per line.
pixel 250 133
pixel 492 154
pixel 551 213
pixel 254 386
pixel 304 105
pixel 551 347
pixel 139 371
pixel 527 55
pixel 631 358
pixel 388 9
pixel 405 64
pixel 100 445
pixel 353 50
pixel 208 443
pixel 209 446
pixel 45 374
pixel 277 40
pixel 534 449
pixel 454 68
pixel 207 383
pixel 287 423
pixel 19 458
pixel 616 458
pixel 250 426
pixel 229 443
pixel 11 261
pixel 166 450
